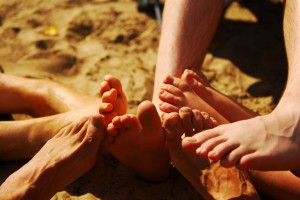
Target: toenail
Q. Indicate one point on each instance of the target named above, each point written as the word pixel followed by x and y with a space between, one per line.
pixel 89 139
pixel 190 139
pixel 199 151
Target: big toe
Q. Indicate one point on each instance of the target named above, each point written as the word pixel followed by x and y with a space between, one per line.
pixel 196 75
pixel 148 116
pixel 114 83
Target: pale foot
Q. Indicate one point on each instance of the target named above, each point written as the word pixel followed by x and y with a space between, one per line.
pixel 139 142
pixel 208 178
pixel 270 142
pixel 220 102
pixel 176 93
pixel 111 92
pixel 65 157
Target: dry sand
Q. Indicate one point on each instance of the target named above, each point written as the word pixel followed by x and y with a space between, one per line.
pixel 77 42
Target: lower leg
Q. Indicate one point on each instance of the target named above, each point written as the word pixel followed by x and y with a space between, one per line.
pixel 38 97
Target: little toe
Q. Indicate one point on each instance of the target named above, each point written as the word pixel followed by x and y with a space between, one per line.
pixel 256 161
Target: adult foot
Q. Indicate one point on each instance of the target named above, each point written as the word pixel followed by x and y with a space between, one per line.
pixel 210 179
pixel 73 147
pixel 176 93
pixel 220 102
pixel 139 142
pixel 111 92
pixel 24 138
pixel 270 142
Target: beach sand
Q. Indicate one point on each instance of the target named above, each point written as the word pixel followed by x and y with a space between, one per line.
pixel 77 42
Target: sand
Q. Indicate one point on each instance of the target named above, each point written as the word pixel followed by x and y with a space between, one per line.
pixel 77 42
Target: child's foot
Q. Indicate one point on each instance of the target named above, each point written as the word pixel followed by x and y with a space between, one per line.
pixel 221 103
pixel 111 92
pixel 270 142
pixel 139 142
pixel 176 93
pixel 209 179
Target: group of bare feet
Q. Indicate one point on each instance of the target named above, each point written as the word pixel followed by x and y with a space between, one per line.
pixel 187 130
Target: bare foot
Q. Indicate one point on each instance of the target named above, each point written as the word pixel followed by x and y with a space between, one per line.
pixel 208 178
pixel 23 139
pixel 176 93
pixel 75 147
pixel 112 92
pixel 139 142
pixel 220 102
pixel 268 142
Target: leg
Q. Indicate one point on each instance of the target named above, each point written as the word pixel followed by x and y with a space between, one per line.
pixel 73 147
pixel 38 97
pixel 208 178
pixel 139 142
pixel 184 41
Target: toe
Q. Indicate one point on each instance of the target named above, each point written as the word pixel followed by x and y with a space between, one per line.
pixel 104 87
pixel 197 121
pixel 148 116
pixel 114 83
pixel 167 108
pixel 172 126
pixel 109 96
pixel 186 114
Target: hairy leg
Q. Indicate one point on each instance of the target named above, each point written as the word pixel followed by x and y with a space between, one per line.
pixel 139 142
pixel 176 93
pixel 210 179
pixel 73 147
pixel 184 42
